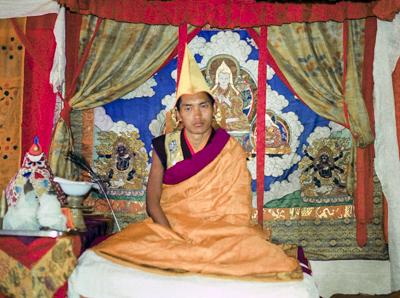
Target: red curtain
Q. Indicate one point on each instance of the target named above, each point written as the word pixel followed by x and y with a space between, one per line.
pixel 386 9
pixel 219 13
pixel 39 99
pixel 363 199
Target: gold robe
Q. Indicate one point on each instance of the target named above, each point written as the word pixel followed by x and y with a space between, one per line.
pixel 211 230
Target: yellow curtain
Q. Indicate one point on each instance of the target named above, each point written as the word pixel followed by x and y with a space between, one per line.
pixel 123 56
pixel 12 55
pixel 310 56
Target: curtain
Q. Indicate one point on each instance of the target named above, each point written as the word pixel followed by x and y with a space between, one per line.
pixel 219 13
pixel 364 193
pixel 386 9
pixel 387 162
pixel 39 98
pixel 123 56
pixel 310 56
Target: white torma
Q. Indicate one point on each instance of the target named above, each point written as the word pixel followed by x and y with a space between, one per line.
pixel 23 215
pixel 49 213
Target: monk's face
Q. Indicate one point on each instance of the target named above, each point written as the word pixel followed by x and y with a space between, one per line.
pixel 196 112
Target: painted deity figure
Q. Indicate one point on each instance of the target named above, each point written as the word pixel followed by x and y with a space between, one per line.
pixel 123 165
pixel 122 157
pixel 229 101
pixel 276 135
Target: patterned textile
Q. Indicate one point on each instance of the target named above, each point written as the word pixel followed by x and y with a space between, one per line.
pixel 11 92
pixel 36 267
pixel 226 14
pixel 112 69
pixel 308 168
pixel 311 57
pixel 330 233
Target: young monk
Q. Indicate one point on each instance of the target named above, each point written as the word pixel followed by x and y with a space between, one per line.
pixel 199 201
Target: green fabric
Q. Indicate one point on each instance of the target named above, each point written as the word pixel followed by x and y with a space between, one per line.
pixel 293 200
pixel 123 56
pixel 310 56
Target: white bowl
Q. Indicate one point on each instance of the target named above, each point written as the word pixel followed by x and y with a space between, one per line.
pixel 74 188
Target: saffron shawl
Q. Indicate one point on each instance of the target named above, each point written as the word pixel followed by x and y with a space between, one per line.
pixel 209 213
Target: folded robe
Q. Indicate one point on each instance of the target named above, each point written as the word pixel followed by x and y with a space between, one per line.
pixel 209 212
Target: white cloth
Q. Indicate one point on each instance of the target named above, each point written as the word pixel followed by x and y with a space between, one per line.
pixel 57 74
pixel 27 8
pixel 97 277
pixel 387 163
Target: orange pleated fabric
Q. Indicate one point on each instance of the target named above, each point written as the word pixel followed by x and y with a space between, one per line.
pixel 211 230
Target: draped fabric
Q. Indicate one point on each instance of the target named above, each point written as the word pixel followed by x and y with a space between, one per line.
pixel 12 56
pixel 364 192
pixel 387 162
pixel 123 56
pixel 24 8
pixel 386 9
pixel 311 58
pixel 39 42
pixel 310 55
pixel 219 13
pixel 39 99
pixel 211 231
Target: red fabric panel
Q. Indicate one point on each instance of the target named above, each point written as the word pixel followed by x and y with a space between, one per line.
pixel 363 199
pixel 26 254
pixel 183 38
pixel 62 292
pixel 386 9
pixel 219 13
pixel 174 53
pixel 82 61
pixel 368 87
pixel 362 233
pixel 73 23
pixel 345 27
pixel 396 91
pixel 65 113
pixel 39 99
pixel 261 108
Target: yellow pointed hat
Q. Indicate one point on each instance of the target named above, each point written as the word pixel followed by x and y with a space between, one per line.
pixel 191 80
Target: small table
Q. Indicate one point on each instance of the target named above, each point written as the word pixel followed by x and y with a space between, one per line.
pixel 40 266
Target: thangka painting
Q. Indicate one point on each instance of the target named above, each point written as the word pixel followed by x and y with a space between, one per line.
pixel 308 159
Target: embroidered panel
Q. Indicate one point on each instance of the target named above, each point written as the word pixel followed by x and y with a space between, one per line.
pixel 11 92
